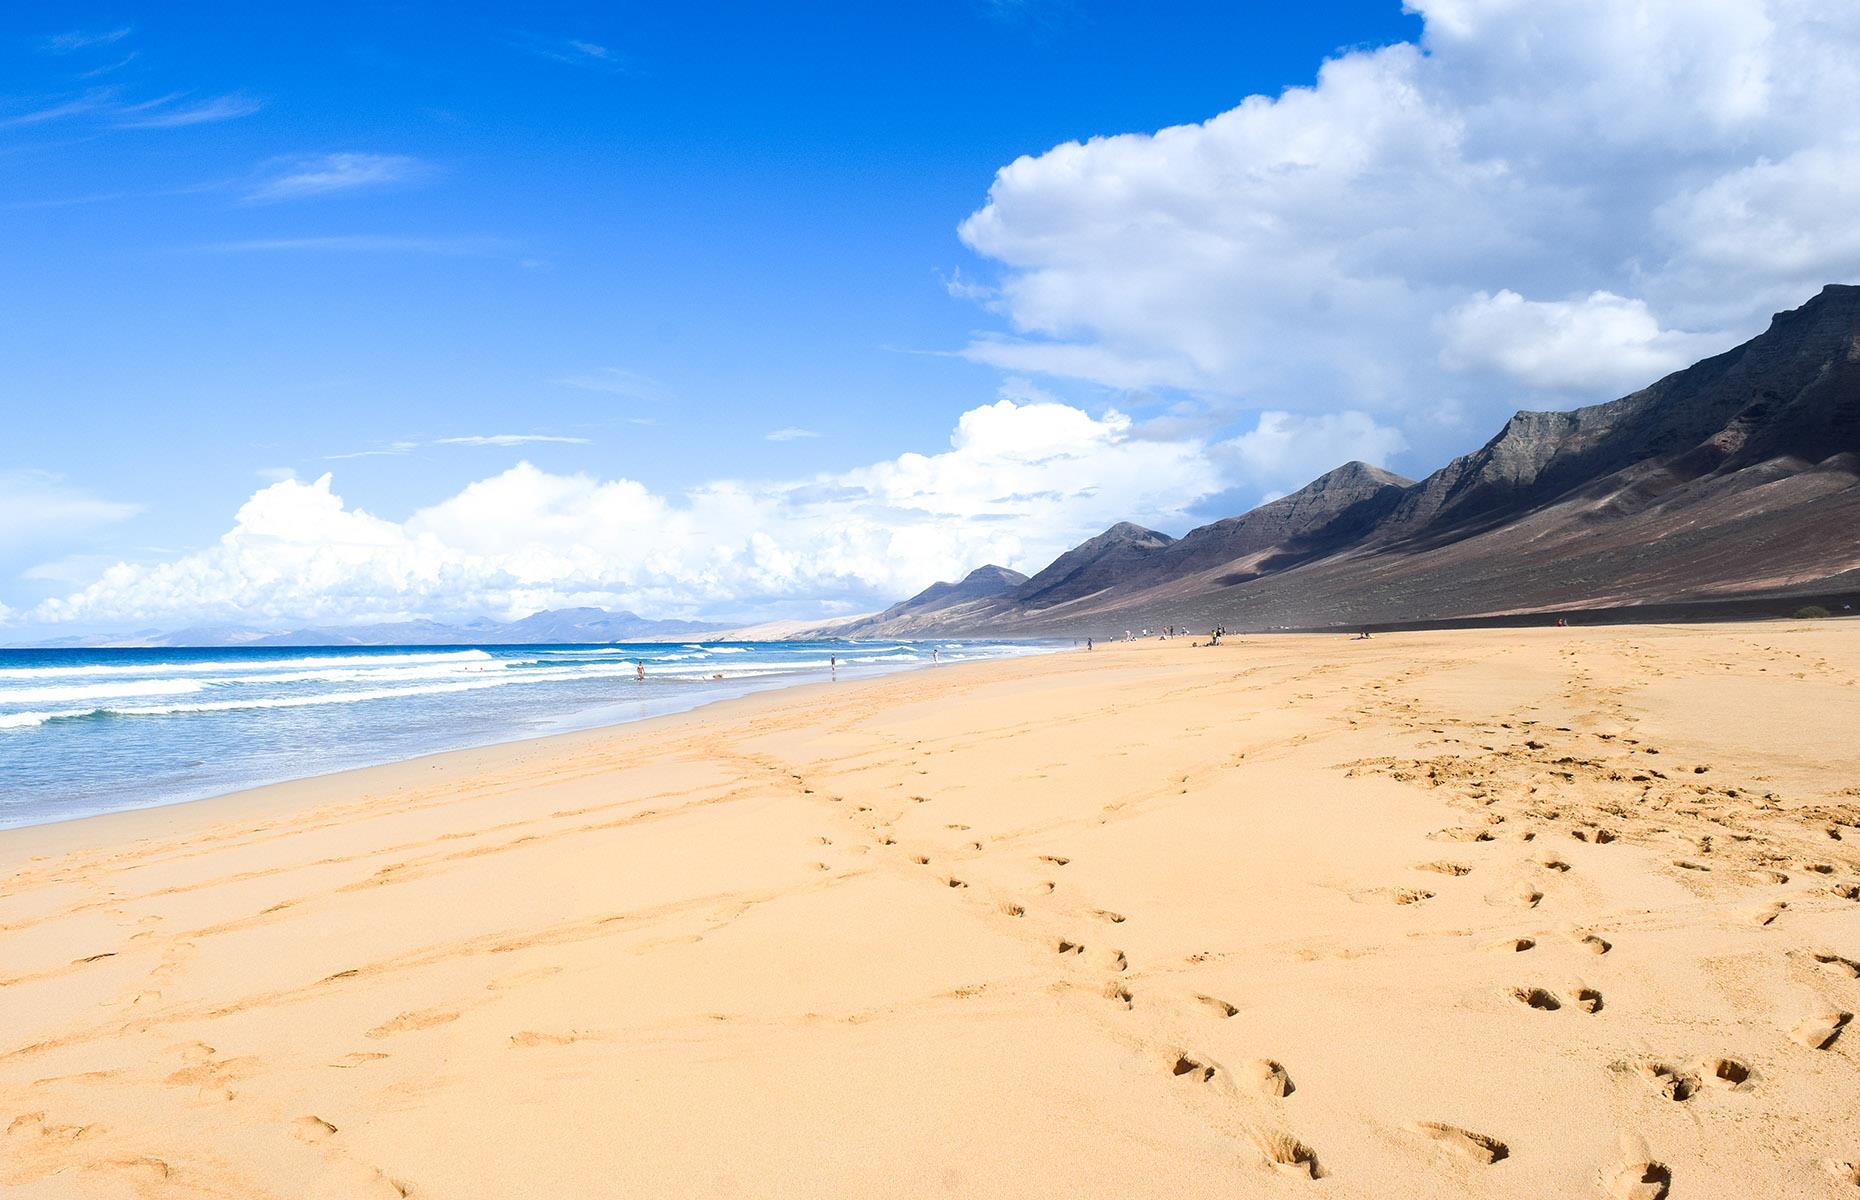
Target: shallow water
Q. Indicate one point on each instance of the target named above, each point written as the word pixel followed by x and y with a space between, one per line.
pixel 90 731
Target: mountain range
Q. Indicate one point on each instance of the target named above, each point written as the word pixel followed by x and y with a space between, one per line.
pixel 1735 478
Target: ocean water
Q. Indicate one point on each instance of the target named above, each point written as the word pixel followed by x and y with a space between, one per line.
pixel 91 731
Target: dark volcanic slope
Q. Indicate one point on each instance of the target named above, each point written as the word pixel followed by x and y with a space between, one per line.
pixel 939 604
pixel 1737 476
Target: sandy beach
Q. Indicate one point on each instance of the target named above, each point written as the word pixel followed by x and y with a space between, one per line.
pixel 1569 912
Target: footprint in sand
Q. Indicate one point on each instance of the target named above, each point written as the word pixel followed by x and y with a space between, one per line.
pixel 1118 992
pixel 1289 1155
pixel 1767 914
pixel 1669 1081
pixel 1517 945
pixel 1271 1079
pixel 1058 860
pixel 1837 964
pixel 530 1037
pixel 312 1129
pixel 1463 1143
pixel 1820 1031
pixel 1461 834
pixel 1013 910
pixel 409 1021
pixel 1588 999
pixel 1185 1064
pixel 1220 1007
pixel 1104 914
pixel 357 1181
pixel 1067 946
pixel 1641 1181
pixel 1536 998
pixel 1394 895
pixel 1444 868
pixel 1729 1074
pixel 1593 943
pixel 1111 960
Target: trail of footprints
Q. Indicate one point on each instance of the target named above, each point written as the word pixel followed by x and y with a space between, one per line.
pixel 1640 1179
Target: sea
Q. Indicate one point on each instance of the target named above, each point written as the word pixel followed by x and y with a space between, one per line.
pixel 87 731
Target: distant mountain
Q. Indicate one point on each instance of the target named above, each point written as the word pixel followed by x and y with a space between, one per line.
pixel 555 626
pixel 1734 478
pixel 938 604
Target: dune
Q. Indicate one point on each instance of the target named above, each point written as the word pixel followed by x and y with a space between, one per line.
pixel 1522 913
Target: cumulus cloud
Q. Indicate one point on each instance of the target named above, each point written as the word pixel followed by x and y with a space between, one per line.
pixel 326 174
pixel 1601 342
pixel 1019 482
pixel 1618 187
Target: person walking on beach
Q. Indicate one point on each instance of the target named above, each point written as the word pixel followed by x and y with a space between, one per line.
pixel 1088 643
pixel 933 655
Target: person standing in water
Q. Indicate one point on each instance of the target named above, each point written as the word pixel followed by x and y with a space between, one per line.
pixel 639 670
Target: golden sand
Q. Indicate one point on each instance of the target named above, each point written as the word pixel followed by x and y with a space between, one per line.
pixel 1522 914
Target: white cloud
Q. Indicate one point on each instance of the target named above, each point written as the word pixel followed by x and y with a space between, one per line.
pixel 391 450
pixel 509 439
pixel 1019 483
pixel 789 433
pixel 39 506
pixel 1663 174
pixel 325 174
pixel 1601 342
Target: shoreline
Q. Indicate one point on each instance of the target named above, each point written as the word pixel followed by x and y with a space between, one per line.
pixel 602 717
pixel 261 795
pixel 1484 914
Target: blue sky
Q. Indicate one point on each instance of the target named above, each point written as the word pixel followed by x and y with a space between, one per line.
pixel 250 247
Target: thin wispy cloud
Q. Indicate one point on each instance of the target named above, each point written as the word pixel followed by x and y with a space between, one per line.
pixel 106 68
pixel 510 439
pixel 575 52
pixel 391 450
pixel 790 434
pixel 616 381
pixel 220 108
pixel 90 102
pixel 362 243
pixel 328 174
pixel 80 39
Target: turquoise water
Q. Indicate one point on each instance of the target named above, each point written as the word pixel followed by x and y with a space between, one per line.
pixel 91 731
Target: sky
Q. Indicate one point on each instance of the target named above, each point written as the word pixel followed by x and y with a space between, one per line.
pixel 363 312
